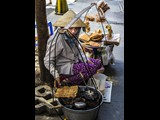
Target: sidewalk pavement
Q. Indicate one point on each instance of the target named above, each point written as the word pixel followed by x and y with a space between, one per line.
pixel 115 16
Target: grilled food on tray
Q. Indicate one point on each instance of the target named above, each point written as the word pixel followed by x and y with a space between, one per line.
pixel 96 36
pixel 84 37
pixel 66 92
pixel 94 44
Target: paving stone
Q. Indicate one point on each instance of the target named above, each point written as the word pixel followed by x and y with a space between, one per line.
pixel 44 101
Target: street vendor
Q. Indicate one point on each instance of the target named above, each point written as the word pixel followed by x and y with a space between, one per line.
pixel 64 55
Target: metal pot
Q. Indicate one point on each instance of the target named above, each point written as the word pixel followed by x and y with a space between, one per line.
pixel 89 114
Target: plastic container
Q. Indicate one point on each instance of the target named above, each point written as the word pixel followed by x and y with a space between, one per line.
pixel 100 80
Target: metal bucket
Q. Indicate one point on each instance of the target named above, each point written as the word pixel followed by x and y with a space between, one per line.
pixel 89 114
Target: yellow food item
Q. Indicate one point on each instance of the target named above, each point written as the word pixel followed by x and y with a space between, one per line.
pixel 104 6
pixel 99 31
pixel 87 26
pixel 100 18
pixel 96 36
pixel 90 18
pixel 94 44
pixel 87 29
pixel 84 37
pixel 66 92
pixel 87 23
pixel 109 28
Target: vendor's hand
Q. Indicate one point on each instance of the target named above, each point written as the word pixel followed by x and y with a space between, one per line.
pixel 66 82
pixel 58 80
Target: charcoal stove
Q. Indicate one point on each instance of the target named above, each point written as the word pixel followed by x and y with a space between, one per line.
pixel 84 106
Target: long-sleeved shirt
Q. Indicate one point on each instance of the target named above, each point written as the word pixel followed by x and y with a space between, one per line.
pixel 61 55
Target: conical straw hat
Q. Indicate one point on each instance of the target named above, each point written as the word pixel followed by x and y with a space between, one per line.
pixel 66 19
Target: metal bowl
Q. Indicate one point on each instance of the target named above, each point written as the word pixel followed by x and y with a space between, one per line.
pixel 80 104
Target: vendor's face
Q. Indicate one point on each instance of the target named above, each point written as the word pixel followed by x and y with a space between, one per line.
pixel 73 30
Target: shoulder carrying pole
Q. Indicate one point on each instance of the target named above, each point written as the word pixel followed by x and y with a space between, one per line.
pixel 79 15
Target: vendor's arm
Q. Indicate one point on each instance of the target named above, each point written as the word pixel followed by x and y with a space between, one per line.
pixel 50 51
pixel 82 56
